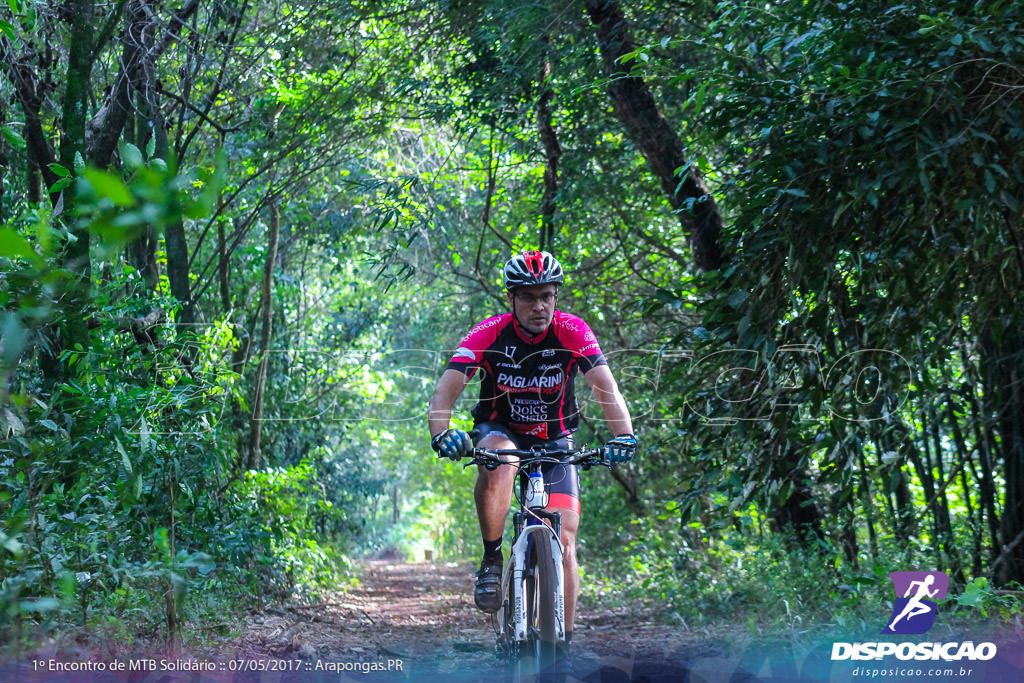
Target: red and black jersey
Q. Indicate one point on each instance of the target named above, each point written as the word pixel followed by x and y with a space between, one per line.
pixel 527 381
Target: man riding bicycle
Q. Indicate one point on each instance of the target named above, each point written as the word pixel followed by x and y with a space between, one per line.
pixel 528 359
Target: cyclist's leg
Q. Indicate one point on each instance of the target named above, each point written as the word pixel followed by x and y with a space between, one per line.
pixel 564 498
pixel 570 525
pixel 493 490
pixel 493 495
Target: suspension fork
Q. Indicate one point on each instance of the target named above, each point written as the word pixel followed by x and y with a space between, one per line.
pixel 529 529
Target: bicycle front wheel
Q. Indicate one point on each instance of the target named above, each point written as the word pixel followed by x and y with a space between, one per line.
pixel 542 620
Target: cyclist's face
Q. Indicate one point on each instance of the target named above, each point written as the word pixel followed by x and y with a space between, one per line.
pixel 534 306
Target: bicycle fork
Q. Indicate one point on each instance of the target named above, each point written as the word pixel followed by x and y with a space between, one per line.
pixel 530 530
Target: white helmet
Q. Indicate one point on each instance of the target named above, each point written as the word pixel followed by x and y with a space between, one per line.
pixel 532 268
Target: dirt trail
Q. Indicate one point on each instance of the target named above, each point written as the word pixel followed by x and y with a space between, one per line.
pixel 422 614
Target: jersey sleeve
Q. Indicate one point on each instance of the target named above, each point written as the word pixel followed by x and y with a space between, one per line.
pixel 577 336
pixel 470 354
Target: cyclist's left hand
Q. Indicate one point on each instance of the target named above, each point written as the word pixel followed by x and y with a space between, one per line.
pixel 620 449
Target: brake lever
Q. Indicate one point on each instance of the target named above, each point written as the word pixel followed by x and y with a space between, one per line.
pixel 490 465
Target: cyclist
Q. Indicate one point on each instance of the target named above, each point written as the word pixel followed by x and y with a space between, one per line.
pixel 528 359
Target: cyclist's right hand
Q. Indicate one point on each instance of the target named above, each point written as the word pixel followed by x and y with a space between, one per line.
pixel 452 443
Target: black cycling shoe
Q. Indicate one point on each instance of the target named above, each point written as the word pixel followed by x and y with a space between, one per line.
pixel 488 585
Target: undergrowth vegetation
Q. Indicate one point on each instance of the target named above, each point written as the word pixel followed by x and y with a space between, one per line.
pixel 769 586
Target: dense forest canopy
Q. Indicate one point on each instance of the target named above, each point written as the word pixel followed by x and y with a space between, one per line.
pixel 239 237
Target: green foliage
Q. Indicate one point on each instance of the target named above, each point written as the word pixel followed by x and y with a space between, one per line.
pixel 154 196
pixel 704 576
pixel 287 504
pixel 145 500
pixel 981 596
pixel 823 408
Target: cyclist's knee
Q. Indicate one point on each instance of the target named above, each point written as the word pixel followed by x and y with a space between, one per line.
pixel 498 480
pixel 570 521
pixel 496 441
pixel 500 477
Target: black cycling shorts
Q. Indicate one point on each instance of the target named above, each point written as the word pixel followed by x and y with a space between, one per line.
pixel 561 481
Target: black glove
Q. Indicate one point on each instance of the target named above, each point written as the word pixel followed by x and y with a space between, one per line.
pixel 620 449
pixel 452 443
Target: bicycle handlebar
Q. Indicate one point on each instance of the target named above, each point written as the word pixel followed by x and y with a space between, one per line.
pixel 492 457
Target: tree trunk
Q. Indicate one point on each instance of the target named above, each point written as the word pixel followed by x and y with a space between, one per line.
pixel 974 521
pixel 904 506
pixel 844 504
pixel 140 71
pixel 177 271
pixel 987 493
pixel 798 511
pixel 144 42
pixel 629 487
pixel 1003 371
pixel 946 555
pixel 106 126
pixel 944 520
pixel 38 176
pixel 983 444
pixel 655 138
pixel 869 508
pixel 895 481
pixel 75 254
pixel 552 153
pixel 28 90
pixel 256 430
pixel 223 268
pixel 34 182
pixel 4 162
pixel 142 256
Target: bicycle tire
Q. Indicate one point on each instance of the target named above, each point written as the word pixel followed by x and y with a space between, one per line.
pixel 544 603
pixel 538 653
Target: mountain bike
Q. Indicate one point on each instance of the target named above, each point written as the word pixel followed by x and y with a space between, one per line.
pixel 531 620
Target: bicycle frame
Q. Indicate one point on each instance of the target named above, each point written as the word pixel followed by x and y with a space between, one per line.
pixel 529 530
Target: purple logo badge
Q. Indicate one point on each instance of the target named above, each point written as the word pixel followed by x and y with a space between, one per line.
pixel 917 595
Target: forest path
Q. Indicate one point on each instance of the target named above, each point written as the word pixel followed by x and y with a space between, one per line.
pixel 422 614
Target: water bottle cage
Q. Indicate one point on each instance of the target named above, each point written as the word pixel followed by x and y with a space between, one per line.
pixel 536 496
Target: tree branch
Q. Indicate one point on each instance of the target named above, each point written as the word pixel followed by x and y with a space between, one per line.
pixel 103 37
pixel 26 91
pixel 106 125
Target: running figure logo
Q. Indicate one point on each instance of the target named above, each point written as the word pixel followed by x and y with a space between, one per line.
pixel 917 596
